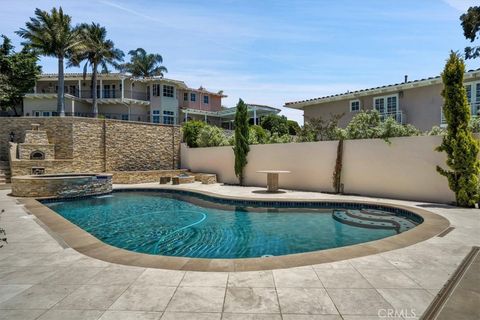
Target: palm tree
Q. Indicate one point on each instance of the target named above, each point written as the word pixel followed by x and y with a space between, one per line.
pixel 51 34
pixel 143 64
pixel 97 51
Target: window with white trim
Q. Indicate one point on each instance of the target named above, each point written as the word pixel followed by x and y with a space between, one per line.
pixel 168 117
pixel 156 90
pixel 386 104
pixel 193 97
pixel 124 116
pixel 354 105
pixel 443 121
pixel 156 116
pixel 168 91
pixel 473 96
pixel 205 99
pixel 42 113
pixel 185 96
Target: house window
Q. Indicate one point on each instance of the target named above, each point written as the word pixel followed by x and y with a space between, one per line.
pixel 168 117
pixel 168 91
pixel 443 121
pixel 148 92
pixel 156 90
pixel 156 116
pixel 354 105
pixel 205 99
pixel 386 104
pixel 41 113
pixel 185 96
pixel 193 97
pixel 473 96
pixel 125 117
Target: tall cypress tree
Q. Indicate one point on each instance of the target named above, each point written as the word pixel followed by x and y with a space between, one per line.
pixel 241 147
pixel 459 144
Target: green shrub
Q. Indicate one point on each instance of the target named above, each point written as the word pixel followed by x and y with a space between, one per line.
pixel 276 138
pixel 190 130
pixel 257 135
pixel 240 146
pixel 390 128
pixel 320 129
pixel 475 124
pixel 211 136
pixel 437 131
pixel 459 144
pixel 364 125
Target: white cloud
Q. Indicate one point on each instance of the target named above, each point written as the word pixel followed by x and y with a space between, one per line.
pixel 461 5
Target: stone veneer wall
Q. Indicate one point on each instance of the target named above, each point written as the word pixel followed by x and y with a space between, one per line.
pixel 96 145
pixel 129 177
pixel 62 187
pixel 25 150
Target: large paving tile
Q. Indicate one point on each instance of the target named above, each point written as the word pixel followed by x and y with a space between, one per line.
pixel 251 316
pixel 197 299
pixel 305 301
pixel 251 300
pixel 188 316
pixel 413 301
pixel 252 279
pixel 377 317
pixel 358 301
pixel 72 275
pixel 342 278
pixel 296 278
pixel 160 277
pixel 116 276
pixel 22 259
pixel 40 296
pixel 71 315
pixel 9 291
pixel 344 264
pixel 204 279
pixel 85 261
pixel 20 314
pixel 63 258
pixel 27 275
pixel 311 317
pixel 93 297
pixel 144 298
pixel 428 278
pixel 131 315
pixel 371 262
pixel 388 278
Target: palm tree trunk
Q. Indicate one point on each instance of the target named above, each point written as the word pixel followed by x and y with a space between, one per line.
pixel 60 91
pixel 94 91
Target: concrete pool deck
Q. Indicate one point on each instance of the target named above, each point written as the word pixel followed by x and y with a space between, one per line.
pixel 42 278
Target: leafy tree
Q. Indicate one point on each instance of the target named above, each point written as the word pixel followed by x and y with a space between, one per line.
pixel 293 127
pixel 459 143
pixel 51 34
pixel 143 64
pixel 211 136
pixel 191 130
pixel 96 51
pixel 275 123
pixel 364 125
pixel 18 71
pixel 324 129
pixel 241 147
pixel 437 131
pixel 471 28
pixel 390 128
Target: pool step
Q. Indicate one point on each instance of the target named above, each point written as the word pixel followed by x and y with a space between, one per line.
pixel 373 219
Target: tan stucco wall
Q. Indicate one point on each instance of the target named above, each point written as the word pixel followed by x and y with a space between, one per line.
pixel 403 169
pixel 311 163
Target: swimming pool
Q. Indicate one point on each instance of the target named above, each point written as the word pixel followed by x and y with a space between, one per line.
pixel 184 224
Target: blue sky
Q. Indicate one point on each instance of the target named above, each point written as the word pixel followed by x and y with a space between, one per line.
pixel 271 52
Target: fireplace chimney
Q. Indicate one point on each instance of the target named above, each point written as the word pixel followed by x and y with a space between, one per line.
pixel 406 78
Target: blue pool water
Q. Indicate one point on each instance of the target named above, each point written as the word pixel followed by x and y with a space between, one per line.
pixel 191 226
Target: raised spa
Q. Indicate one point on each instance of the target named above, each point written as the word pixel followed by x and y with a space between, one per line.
pixel 61 185
pixel 184 224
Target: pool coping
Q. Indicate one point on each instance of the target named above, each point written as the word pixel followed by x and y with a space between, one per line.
pixel 85 243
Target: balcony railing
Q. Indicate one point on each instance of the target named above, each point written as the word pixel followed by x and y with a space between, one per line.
pixel 105 94
pixel 399 116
